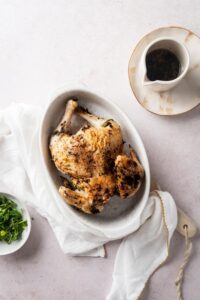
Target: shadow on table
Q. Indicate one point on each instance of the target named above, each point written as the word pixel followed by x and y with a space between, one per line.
pixel 185 117
pixel 32 246
pixel 176 254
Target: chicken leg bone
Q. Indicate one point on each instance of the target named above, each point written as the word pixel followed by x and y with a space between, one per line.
pixel 64 124
pixel 93 120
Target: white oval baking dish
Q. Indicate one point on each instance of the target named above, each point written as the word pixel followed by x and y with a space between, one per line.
pixel 119 217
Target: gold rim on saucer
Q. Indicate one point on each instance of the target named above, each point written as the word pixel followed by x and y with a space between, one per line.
pixel 186 95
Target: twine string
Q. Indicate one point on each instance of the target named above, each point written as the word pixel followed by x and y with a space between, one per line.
pixel 187 254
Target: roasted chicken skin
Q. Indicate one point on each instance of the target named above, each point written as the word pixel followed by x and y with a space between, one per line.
pixel 93 161
pixel 128 174
pixel 90 151
pixel 89 195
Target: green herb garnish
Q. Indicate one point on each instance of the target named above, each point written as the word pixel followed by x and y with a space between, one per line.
pixel 107 123
pixel 11 221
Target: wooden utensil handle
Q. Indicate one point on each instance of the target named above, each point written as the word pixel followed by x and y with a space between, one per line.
pixel 183 218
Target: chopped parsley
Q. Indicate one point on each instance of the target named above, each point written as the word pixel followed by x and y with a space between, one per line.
pixel 11 221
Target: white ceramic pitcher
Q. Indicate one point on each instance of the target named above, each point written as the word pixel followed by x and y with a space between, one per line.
pixel 181 53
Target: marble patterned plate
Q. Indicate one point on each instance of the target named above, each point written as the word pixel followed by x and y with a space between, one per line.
pixel 183 97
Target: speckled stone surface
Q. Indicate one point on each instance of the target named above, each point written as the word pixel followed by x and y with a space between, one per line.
pixel 43 44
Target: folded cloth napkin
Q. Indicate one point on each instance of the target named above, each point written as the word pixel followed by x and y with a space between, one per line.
pixel 21 174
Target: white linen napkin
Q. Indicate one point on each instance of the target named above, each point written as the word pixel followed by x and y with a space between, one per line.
pixel 21 174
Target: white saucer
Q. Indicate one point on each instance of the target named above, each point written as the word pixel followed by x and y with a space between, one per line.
pixel 183 97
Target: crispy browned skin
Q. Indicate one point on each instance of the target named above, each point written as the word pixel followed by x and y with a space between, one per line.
pixel 129 173
pixel 88 195
pixel 90 151
pixel 94 160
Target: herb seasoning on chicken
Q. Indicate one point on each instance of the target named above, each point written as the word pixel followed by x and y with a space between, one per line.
pixel 94 160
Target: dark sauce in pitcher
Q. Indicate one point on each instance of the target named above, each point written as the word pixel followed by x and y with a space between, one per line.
pixel 162 64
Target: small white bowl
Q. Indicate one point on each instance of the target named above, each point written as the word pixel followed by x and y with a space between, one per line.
pixel 5 248
pixel 119 217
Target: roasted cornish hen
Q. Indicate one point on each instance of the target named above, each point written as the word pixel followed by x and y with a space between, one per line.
pixel 94 161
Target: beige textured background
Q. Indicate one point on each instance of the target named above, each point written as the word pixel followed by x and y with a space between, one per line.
pixel 43 44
